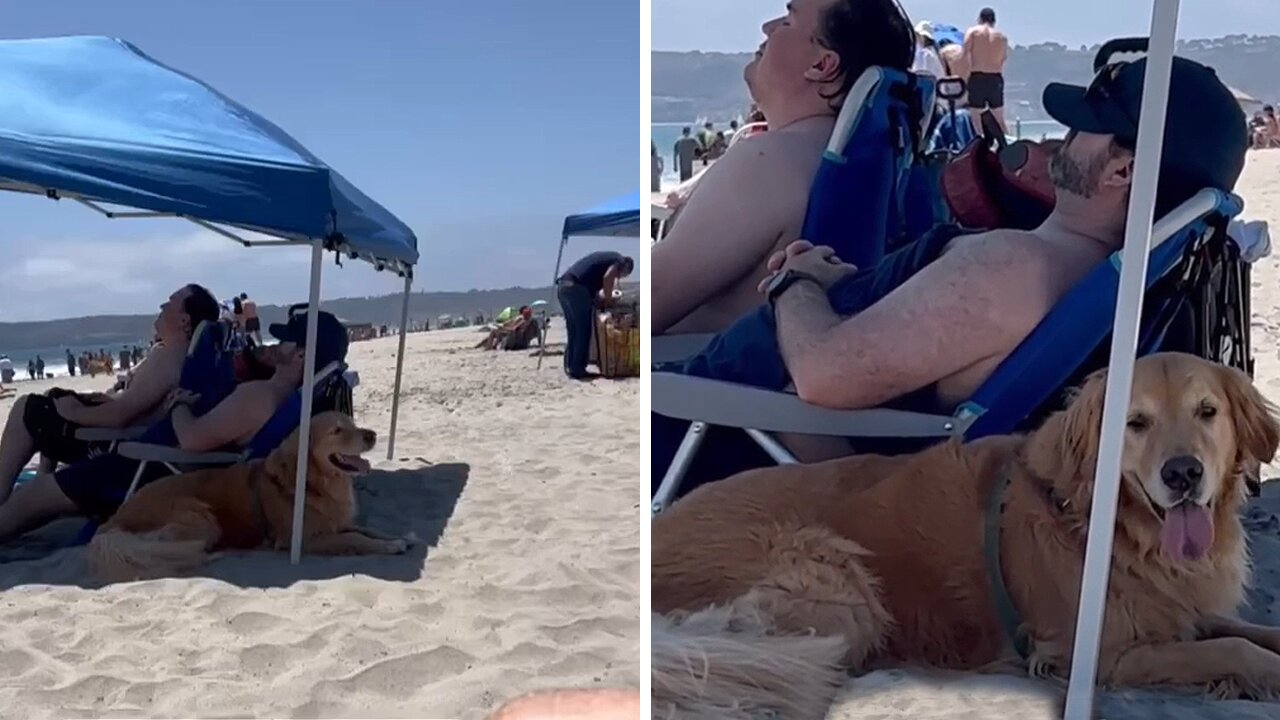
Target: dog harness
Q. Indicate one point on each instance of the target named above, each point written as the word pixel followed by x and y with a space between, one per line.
pixel 1008 615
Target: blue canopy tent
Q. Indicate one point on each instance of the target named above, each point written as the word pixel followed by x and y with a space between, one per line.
pixel 96 121
pixel 620 217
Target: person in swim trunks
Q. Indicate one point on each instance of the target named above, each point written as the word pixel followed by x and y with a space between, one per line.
pixel 986 50
pixel 927 326
pixel 252 325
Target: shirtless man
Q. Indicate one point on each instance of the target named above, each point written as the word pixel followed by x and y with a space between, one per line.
pixel 252 325
pixel 47 424
pixel 751 202
pixel 934 328
pixel 986 50
pixel 96 487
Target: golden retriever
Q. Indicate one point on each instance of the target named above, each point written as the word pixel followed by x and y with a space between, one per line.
pixel 171 525
pixel 770 585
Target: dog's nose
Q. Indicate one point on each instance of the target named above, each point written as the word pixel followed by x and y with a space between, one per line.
pixel 370 437
pixel 1182 474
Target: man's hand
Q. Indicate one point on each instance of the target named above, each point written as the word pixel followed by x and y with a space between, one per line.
pixel 178 396
pixel 67 406
pixel 803 256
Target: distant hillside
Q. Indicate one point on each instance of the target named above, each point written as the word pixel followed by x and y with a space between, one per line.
pixel 109 330
pixel 689 85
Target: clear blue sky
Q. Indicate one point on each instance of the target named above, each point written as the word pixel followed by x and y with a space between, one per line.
pixel 734 25
pixel 481 124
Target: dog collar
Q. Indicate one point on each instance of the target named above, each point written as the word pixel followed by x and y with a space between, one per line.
pixel 1006 613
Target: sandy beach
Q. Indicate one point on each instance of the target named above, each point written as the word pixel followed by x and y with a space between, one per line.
pixel 898 695
pixel 523 487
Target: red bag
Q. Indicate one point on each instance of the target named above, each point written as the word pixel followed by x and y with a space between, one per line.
pixel 994 184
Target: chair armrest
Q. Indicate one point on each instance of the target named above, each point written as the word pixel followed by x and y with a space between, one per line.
pixel 740 406
pixel 672 348
pixel 176 456
pixel 89 434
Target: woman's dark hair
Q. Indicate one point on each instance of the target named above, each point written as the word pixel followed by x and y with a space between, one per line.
pixel 864 33
pixel 200 306
pixel 987 15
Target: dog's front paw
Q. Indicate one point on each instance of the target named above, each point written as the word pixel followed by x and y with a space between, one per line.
pixel 1226 689
pixel 1040 667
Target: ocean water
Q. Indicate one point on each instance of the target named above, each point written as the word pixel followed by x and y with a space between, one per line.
pixel 664 135
pixel 55 358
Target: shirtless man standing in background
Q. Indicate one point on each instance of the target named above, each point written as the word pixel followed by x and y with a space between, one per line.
pixel 751 203
pixel 986 49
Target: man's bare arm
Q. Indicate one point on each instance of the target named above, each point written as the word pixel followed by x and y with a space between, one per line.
pixel 953 314
pixel 609 282
pixel 248 408
pixel 152 381
pixel 725 229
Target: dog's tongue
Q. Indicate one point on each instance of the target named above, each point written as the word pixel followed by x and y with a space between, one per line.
pixel 1187 532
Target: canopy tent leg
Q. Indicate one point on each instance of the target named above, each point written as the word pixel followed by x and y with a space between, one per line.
pixel 542 344
pixel 1124 346
pixel 308 398
pixel 395 395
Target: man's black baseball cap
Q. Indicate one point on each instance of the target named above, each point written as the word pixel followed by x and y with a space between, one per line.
pixel 1205 135
pixel 331 336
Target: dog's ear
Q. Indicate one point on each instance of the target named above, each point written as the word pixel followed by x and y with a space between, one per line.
pixel 1082 425
pixel 1252 416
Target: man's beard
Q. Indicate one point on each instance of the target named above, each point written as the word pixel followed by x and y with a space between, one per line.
pixel 1069 175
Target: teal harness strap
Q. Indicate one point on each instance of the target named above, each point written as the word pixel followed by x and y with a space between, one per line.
pixel 1006 612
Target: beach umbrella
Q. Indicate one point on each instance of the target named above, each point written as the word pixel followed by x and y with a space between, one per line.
pixel 945 35
pixel 1124 345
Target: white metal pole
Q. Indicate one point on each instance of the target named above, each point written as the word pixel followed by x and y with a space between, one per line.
pixel 1124 345
pixel 395 396
pixel 542 342
pixel 308 396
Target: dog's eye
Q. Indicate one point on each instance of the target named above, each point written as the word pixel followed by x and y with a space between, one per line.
pixel 1206 412
pixel 1139 423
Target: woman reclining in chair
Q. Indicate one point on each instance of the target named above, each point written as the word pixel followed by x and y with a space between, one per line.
pixel 47 423
pixel 96 487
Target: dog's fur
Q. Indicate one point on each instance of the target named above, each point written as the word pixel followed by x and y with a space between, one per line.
pixel 885 556
pixel 172 525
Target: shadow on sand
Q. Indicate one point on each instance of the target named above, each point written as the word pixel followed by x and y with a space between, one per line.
pixel 396 502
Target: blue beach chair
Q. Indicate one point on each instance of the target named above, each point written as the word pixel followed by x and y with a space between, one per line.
pixel 1196 285
pixel 208 371
pixel 858 200
pixel 163 449
pixel 159 445
pixel 874 189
